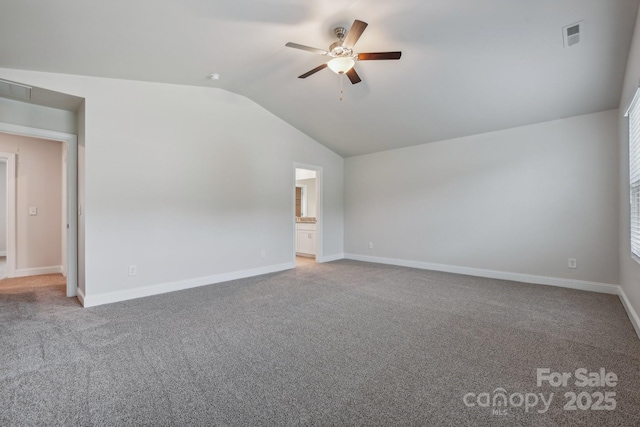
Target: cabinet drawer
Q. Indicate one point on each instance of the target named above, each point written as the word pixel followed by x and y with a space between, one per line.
pixel 302 226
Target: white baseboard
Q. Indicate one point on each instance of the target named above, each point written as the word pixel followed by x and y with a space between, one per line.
pixel 330 258
pixel 633 316
pixel 80 296
pixel 37 271
pixel 161 288
pixel 604 288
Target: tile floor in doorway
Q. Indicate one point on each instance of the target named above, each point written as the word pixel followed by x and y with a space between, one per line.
pixel 303 260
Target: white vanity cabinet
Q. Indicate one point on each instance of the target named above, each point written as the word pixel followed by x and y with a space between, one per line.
pixel 306 238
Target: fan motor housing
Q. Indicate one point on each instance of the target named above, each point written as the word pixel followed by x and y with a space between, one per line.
pixel 340 32
pixel 336 48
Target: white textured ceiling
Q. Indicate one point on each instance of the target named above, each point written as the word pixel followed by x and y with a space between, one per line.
pixel 467 67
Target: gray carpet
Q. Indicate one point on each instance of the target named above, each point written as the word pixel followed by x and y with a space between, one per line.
pixel 343 343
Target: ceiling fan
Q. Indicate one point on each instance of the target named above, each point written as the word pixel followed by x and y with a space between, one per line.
pixel 342 54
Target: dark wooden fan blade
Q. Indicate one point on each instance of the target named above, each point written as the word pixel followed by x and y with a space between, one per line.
pixel 354 34
pixel 307 48
pixel 315 70
pixel 374 56
pixel 353 76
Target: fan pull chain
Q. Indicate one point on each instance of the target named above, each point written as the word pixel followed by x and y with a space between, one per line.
pixel 341 91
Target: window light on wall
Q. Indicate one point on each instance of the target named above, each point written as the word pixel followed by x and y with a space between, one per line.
pixel 634 173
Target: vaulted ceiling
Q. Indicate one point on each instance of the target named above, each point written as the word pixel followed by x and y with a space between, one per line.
pixel 467 66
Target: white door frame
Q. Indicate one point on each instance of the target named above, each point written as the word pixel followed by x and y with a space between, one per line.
pixel 10 225
pixel 71 148
pixel 319 209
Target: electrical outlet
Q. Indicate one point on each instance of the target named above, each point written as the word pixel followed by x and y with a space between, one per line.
pixel 572 263
pixel 263 253
pixel 370 245
pixel 133 270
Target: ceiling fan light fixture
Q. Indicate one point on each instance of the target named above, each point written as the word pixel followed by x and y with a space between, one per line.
pixel 341 64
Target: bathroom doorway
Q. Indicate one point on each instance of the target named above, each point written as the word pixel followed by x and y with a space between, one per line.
pixel 307 247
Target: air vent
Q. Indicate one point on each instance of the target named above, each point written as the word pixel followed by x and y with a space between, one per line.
pixel 572 34
pixel 14 90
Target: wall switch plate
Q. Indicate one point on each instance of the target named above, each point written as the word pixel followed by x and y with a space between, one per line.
pixel 33 211
pixel 263 253
pixel 572 263
pixel 370 245
pixel 133 270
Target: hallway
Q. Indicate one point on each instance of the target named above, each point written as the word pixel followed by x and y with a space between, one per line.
pixel 18 285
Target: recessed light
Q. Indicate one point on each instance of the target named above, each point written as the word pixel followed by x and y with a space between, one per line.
pixel 214 76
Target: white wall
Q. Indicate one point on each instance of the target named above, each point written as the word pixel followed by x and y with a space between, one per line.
pixel 3 208
pixel 521 200
pixel 629 268
pixel 186 183
pixel 39 185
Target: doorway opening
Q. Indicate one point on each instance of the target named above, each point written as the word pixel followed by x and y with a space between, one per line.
pixel 307 214
pixel 3 217
pixel 67 205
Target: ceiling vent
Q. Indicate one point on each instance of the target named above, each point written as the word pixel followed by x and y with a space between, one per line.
pixel 14 90
pixel 572 34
